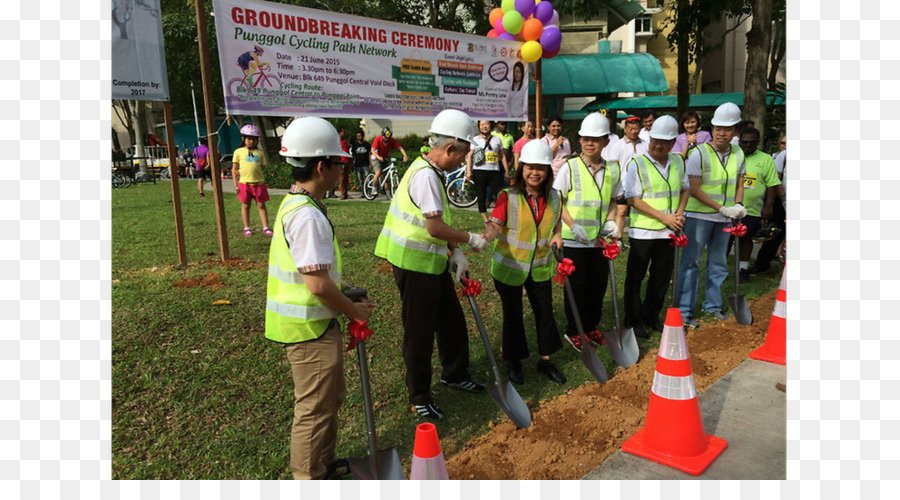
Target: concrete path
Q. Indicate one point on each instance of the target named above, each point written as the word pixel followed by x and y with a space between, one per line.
pixel 743 408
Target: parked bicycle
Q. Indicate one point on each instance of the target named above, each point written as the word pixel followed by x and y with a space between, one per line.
pixel 460 191
pixel 239 89
pixel 387 183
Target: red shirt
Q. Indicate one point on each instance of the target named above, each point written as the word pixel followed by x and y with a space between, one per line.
pixel 346 147
pixel 537 207
pixel 383 146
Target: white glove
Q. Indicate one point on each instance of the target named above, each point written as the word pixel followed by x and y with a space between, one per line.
pixel 476 242
pixel 610 229
pixel 580 235
pixel 740 211
pixel 458 264
pixel 726 212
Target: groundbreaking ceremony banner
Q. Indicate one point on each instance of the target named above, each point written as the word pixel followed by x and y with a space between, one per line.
pixel 138 53
pixel 283 60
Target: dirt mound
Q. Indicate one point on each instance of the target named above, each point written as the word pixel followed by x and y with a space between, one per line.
pixel 211 281
pixel 573 433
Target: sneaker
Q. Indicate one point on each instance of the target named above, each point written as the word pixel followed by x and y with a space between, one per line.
pixel 430 411
pixel 719 316
pixel 744 276
pixel 202 195
pixel 465 385
pixel 575 340
pixel 690 322
pixel 267 231
pixel 595 336
pixel 248 231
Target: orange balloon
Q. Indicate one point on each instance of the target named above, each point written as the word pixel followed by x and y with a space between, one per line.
pixel 495 14
pixel 532 29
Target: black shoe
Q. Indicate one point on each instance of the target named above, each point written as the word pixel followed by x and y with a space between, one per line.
pixel 640 332
pixel 340 467
pixel 430 411
pixel 465 385
pixel 655 326
pixel 547 367
pixel 744 276
pixel 514 368
pixel 755 269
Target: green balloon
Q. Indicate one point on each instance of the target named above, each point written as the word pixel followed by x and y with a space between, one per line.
pixel 508 5
pixel 512 22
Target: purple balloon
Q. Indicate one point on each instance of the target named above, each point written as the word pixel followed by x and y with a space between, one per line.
pixel 551 38
pixel 525 7
pixel 507 36
pixel 543 12
pixel 554 20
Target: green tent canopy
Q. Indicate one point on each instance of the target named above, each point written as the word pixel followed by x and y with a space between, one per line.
pixel 591 74
pixel 671 101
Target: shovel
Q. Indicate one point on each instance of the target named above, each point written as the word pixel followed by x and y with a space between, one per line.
pixel 378 464
pixel 738 303
pixel 622 343
pixel 588 356
pixel 677 251
pixel 503 392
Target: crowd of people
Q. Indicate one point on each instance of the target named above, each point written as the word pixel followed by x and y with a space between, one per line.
pixel 665 177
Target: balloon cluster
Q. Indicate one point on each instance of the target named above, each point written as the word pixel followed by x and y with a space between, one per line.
pixel 534 22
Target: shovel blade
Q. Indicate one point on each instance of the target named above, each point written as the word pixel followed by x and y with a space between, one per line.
pixel 511 403
pixel 623 346
pixel 741 310
pixel 592 362
pixel 389 466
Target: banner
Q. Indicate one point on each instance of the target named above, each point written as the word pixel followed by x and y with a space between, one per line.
pixel 286 61
pixel 138 52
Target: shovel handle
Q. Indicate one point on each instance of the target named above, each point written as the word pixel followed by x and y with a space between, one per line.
pixel 557 252
pixel 367 397
pixel 484 338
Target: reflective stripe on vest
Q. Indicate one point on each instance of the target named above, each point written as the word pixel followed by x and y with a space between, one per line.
pixel 587 203
pixel 660 193
pixel 523 245
pixel 293 313
pixel 404 240
pixel 718 182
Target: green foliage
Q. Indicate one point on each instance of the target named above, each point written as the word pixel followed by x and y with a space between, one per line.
pixel 278 175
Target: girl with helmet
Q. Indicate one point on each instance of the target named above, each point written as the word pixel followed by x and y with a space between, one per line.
pixel 249 181
pixel 244 61
pixel 526 221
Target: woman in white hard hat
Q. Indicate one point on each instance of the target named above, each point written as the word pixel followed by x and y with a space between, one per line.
pixel 526 221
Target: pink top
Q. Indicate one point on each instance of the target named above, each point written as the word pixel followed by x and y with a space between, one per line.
pixel 565 149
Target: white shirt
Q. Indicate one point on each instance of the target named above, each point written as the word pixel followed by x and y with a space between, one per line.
pixel 426 191
pixel 309 238
pixel 494 153
pixel 613 139
pixel 779 161
pixel 625 150
pixel 634 189
pixel 563 183
pixel 644 135
pixel 693 167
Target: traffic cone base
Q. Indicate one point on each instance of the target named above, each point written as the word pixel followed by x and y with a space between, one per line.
pixel 696 465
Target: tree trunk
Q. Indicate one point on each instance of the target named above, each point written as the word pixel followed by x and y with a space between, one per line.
pixel 263 139
pixel 684 93
pixel 759 39
pixel 778 50
pixel 139 114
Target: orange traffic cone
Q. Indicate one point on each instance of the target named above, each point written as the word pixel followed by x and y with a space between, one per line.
pixel 428 459
pixel 673 433
pixel 774 349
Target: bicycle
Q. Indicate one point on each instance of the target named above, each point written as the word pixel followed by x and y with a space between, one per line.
pixel 389 181
pixel 120 181
pixel 460 191
pixel 262 81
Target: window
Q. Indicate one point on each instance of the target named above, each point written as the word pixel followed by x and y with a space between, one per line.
pixel 643 25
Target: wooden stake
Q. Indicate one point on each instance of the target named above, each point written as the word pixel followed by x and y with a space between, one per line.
pixel 173 171
pixel 537 100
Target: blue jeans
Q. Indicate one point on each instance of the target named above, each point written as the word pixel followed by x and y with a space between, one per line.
pixel 702 234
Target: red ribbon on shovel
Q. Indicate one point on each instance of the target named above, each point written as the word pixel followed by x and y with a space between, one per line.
pixel 563 269
pixel 611 250
pixel 680 241
pixel 359 331
pixel 471 287
pixel 738 230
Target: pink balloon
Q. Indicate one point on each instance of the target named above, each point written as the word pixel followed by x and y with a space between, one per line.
pixel 507 36
pixel 543 12
pixel 498 26
pixel 554 20
pixel 492 34
pixel 525 7
pixel 550 54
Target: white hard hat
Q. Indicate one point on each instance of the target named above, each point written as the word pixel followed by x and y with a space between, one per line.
pixel 310 137
pixel 453 123
pixel 726 115
pixel 664 128
pixel 594 125
pixel 536 152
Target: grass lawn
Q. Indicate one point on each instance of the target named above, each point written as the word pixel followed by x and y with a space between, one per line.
pixel 199 393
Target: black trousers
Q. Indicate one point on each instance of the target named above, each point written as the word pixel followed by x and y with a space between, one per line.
pixel 769 249
pixel 431 308
pixel 540 294
pixel 588 283
pixel 484 179
pixel 659 256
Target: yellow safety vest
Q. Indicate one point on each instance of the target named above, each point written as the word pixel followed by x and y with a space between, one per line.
pixel 588 203
pixel 658 192
pixel 718 182
pixel 404 241
pixel 293 313
pixel 523 245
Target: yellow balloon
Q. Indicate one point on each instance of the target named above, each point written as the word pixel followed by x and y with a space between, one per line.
pixel 531 51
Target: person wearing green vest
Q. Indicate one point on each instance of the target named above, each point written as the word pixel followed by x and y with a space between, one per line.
pixel 657 192
pixel 761 188
pixel 507 141
pixel 526 221
pixel 589 187
pixel 415 239
pixel 304 303
pixel 716 177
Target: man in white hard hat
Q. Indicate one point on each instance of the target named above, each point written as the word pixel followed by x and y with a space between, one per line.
pixel 415 240
pixel 657 192
pixel 305 308
pixel 716 175
pixel 589 186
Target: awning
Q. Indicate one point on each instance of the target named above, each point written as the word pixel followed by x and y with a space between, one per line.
pixel 625 10
pixel 671 101
pixel 591 74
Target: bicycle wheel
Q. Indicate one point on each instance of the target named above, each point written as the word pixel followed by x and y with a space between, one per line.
pixel 461 192
pixel 233 85
pixel 118 181
pixel 164 173
pixel 391 185
pixel 368 189
pixel 270 83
